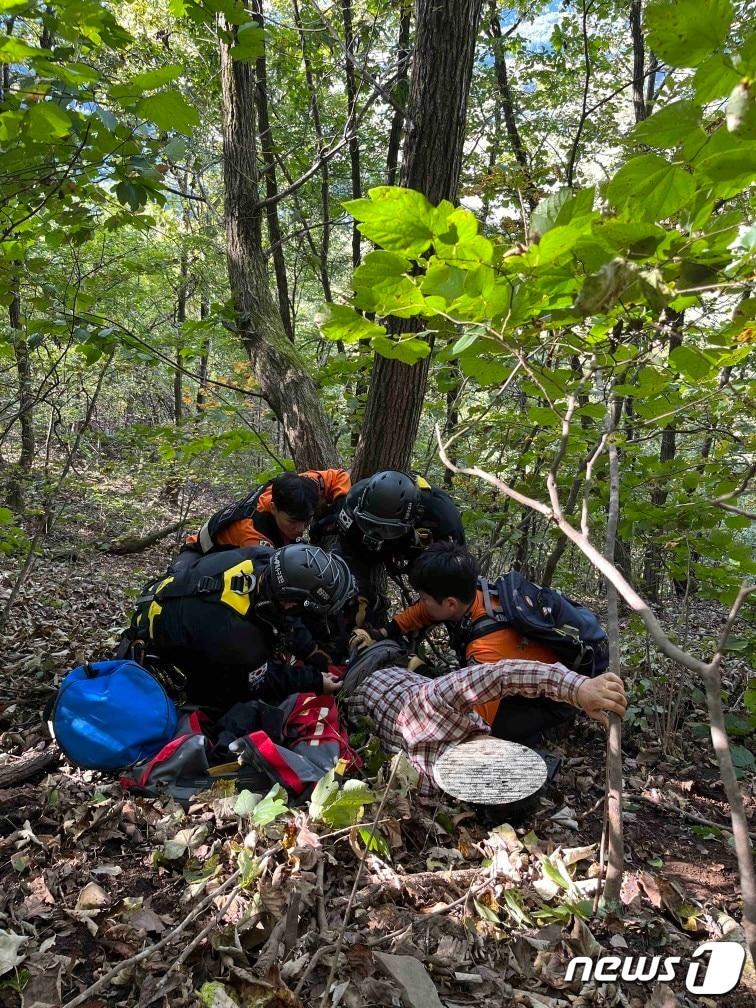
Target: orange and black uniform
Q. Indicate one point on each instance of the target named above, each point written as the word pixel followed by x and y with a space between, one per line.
pixel 516 718
pixel 260 528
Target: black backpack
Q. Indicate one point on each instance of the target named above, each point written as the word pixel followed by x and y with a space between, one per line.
pixel 566 627
pixel 238 510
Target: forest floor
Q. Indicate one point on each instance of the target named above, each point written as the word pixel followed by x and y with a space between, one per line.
pixel 91 876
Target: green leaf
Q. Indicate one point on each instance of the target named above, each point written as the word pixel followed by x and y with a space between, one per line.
pixel 375 841
pixel 246 802
pixel 250 44
pixel 561 207
pixel 169 110
pixel 714 78
pixel 742 758
pixel 444 281
pixel 485 912
pixel 339 807
pixel 151 79
pixel 408 351
pixel 651 187
pixel 485 372
pixel 47 121
pixel 399 220
pixel 342 322
pixel 13 50
pixel 692 363
pixel 381 285
pixel 731 171
pixel 684 32
pixel 669 126
pixel 271 807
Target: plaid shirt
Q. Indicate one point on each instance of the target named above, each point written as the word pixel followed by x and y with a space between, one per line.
pixel 424 717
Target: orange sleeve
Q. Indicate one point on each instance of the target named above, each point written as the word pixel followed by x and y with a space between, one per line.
pixel 241 533
pixel 415 617
pixel 263 504
pixel 504 643
pixel 336 482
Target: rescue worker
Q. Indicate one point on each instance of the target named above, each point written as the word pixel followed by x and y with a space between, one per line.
pixel 276 513
pixel 385 523
pixel 221 619
pixel 446 579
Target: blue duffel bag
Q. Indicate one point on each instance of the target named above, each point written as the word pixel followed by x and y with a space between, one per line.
pixel 109 715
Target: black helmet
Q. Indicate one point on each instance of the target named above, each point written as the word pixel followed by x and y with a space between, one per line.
pixel 319 582
pixel 388 507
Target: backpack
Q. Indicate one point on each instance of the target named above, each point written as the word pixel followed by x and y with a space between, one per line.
pixel 111 714
pixel 566 627
pixel 236 511
pixel 294 745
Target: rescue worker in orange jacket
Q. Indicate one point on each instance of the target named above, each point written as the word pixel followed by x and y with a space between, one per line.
pixel 446 578
pixel 276 513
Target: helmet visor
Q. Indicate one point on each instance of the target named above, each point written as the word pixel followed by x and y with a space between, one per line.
pixel 385 529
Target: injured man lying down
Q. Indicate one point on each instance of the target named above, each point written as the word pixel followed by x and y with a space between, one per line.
pixel 425 717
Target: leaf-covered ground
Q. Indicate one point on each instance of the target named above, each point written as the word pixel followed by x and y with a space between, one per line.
pixel 90 877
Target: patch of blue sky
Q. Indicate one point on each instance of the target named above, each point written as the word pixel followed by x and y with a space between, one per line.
pixel 536 31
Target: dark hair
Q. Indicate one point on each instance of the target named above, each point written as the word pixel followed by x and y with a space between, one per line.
pixel 297 495
pixel 445 569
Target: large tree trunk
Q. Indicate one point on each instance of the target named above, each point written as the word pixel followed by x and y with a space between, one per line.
pixel 279 369
pixel 271 183
pixel 181 298
pixel 436 114
pixel 399 93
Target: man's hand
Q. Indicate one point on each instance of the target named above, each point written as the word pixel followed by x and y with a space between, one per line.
pixel 604 693
pixel 362 607
pixel 331 684
pixel 359 640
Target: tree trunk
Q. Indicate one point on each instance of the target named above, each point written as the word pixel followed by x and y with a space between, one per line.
pixel 639 61
pixel 354 144
pixel 271 184
pixel 25 401
pixel 181 296
pixel 204 357
pixel 282 375
pixel 507 104
pixel 399 93
pixel 433 149
pixel 652 567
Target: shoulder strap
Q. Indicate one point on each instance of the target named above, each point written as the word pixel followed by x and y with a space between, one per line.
pixel 237 511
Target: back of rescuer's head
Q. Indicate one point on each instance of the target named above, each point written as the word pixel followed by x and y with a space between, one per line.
pixel 445 570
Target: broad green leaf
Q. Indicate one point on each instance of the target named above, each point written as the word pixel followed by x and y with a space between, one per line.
pixel 339 807
pixel 381 285
pixel 271 807
pixel 636 237
pixel 399 220
pixel 715 78
pixel 742 758
pixel 408 351
pixel 342 322
pixel 47 121
pixel 155 78
pixel 246 802
pixel 691 362
pixel 485 372
pixel 556 242
pixel 731 171
pixel 651 187
pixel 250 44
pixel 444 281
pixel 13 50
pixel 684 32
pixel 459 239
pixel 375 841
pixel 669 126
pixel 169 110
